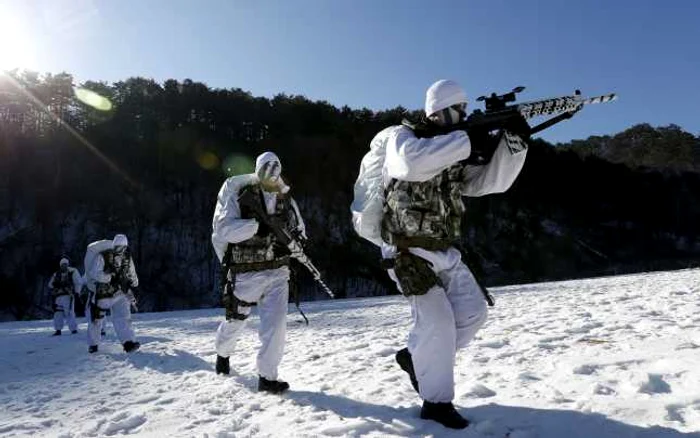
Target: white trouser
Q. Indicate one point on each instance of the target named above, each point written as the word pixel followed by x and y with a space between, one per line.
pixel 65 309
pixel 444 320
pixel 270 290
pixel 120 307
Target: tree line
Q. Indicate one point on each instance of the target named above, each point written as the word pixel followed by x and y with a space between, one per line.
pixel 82 162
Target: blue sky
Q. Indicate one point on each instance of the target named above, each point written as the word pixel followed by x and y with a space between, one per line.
pixel 384 53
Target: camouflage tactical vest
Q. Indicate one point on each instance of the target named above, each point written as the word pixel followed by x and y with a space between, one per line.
pixel 424 214
pixel 119 265
pixel 263 247
pixel 63 283
pixel 116 265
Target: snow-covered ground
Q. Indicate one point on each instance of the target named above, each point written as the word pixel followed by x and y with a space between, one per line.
pixel 601 358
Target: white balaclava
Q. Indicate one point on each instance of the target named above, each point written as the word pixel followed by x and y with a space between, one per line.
pixel 268 168
pixel 63 262
pixel 444 95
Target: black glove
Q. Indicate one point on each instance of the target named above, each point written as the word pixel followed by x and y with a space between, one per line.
pixel 263 230
pixel 95 312
pixel 483 146
pixel 114 282
pixel 300 239
pixel 519 126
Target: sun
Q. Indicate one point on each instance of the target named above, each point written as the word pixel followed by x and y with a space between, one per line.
pixel 16 47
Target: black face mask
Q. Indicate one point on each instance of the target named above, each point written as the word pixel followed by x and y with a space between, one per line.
pixel 64 268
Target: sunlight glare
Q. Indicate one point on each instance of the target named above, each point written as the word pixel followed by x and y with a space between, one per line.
pixel 16 49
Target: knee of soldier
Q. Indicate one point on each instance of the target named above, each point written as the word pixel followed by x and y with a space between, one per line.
pixel 228 329
pixel 468 327
pixel 433 313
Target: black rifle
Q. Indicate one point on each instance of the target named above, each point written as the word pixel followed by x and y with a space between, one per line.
pixel 251 199
pixel 123 283
pixel 499 115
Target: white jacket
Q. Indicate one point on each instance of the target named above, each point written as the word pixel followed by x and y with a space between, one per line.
pixel 409 158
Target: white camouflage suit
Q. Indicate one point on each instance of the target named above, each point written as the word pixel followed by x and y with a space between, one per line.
pixel 444 319
pixel 64 305
pixel 119 304
pixel 268 288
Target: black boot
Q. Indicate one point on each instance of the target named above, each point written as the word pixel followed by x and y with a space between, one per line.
pixel 92 349
pixel 272 386
pixel 405 361
pixel 56 333
pixel 222 365
pixel 130 346
pixel 72 332
pixel 443 413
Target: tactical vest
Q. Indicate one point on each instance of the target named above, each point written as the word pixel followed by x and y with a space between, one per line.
pixel 63 283
pixel 424 214
pixel 116 265
pixel 262 251
pixel 120 265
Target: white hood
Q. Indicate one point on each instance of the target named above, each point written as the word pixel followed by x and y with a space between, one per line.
pixel 443 94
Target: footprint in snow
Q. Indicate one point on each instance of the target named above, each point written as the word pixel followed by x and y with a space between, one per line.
pixel 479 391
pixel 655 384
pixel 674 412
pixel 585 328
pixel 586 369
pixel 687 346
pixel 495 344
pixel 127 425
pixel 528 377
pixel 601 389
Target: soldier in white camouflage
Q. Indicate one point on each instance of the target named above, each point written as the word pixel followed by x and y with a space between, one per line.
pixel 112 281
pixel 65 284
pixel 255 266
pixel 424 180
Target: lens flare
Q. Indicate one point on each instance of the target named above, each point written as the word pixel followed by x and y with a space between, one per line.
pixel 208 160
pixel 90 98
pixel 112 165
pixel 238 164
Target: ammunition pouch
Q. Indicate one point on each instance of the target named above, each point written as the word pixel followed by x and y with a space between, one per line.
pixel 238 268
pixel 96 312
pixel 104 290
pixel 233 305
pixel 414 273
pixel 427 243
pixel 235 308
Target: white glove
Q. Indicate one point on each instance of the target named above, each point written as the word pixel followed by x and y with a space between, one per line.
pixel 296 250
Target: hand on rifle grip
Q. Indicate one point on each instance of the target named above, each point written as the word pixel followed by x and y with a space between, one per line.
pixel 263 230
pixel 519 126
pixel 296 249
